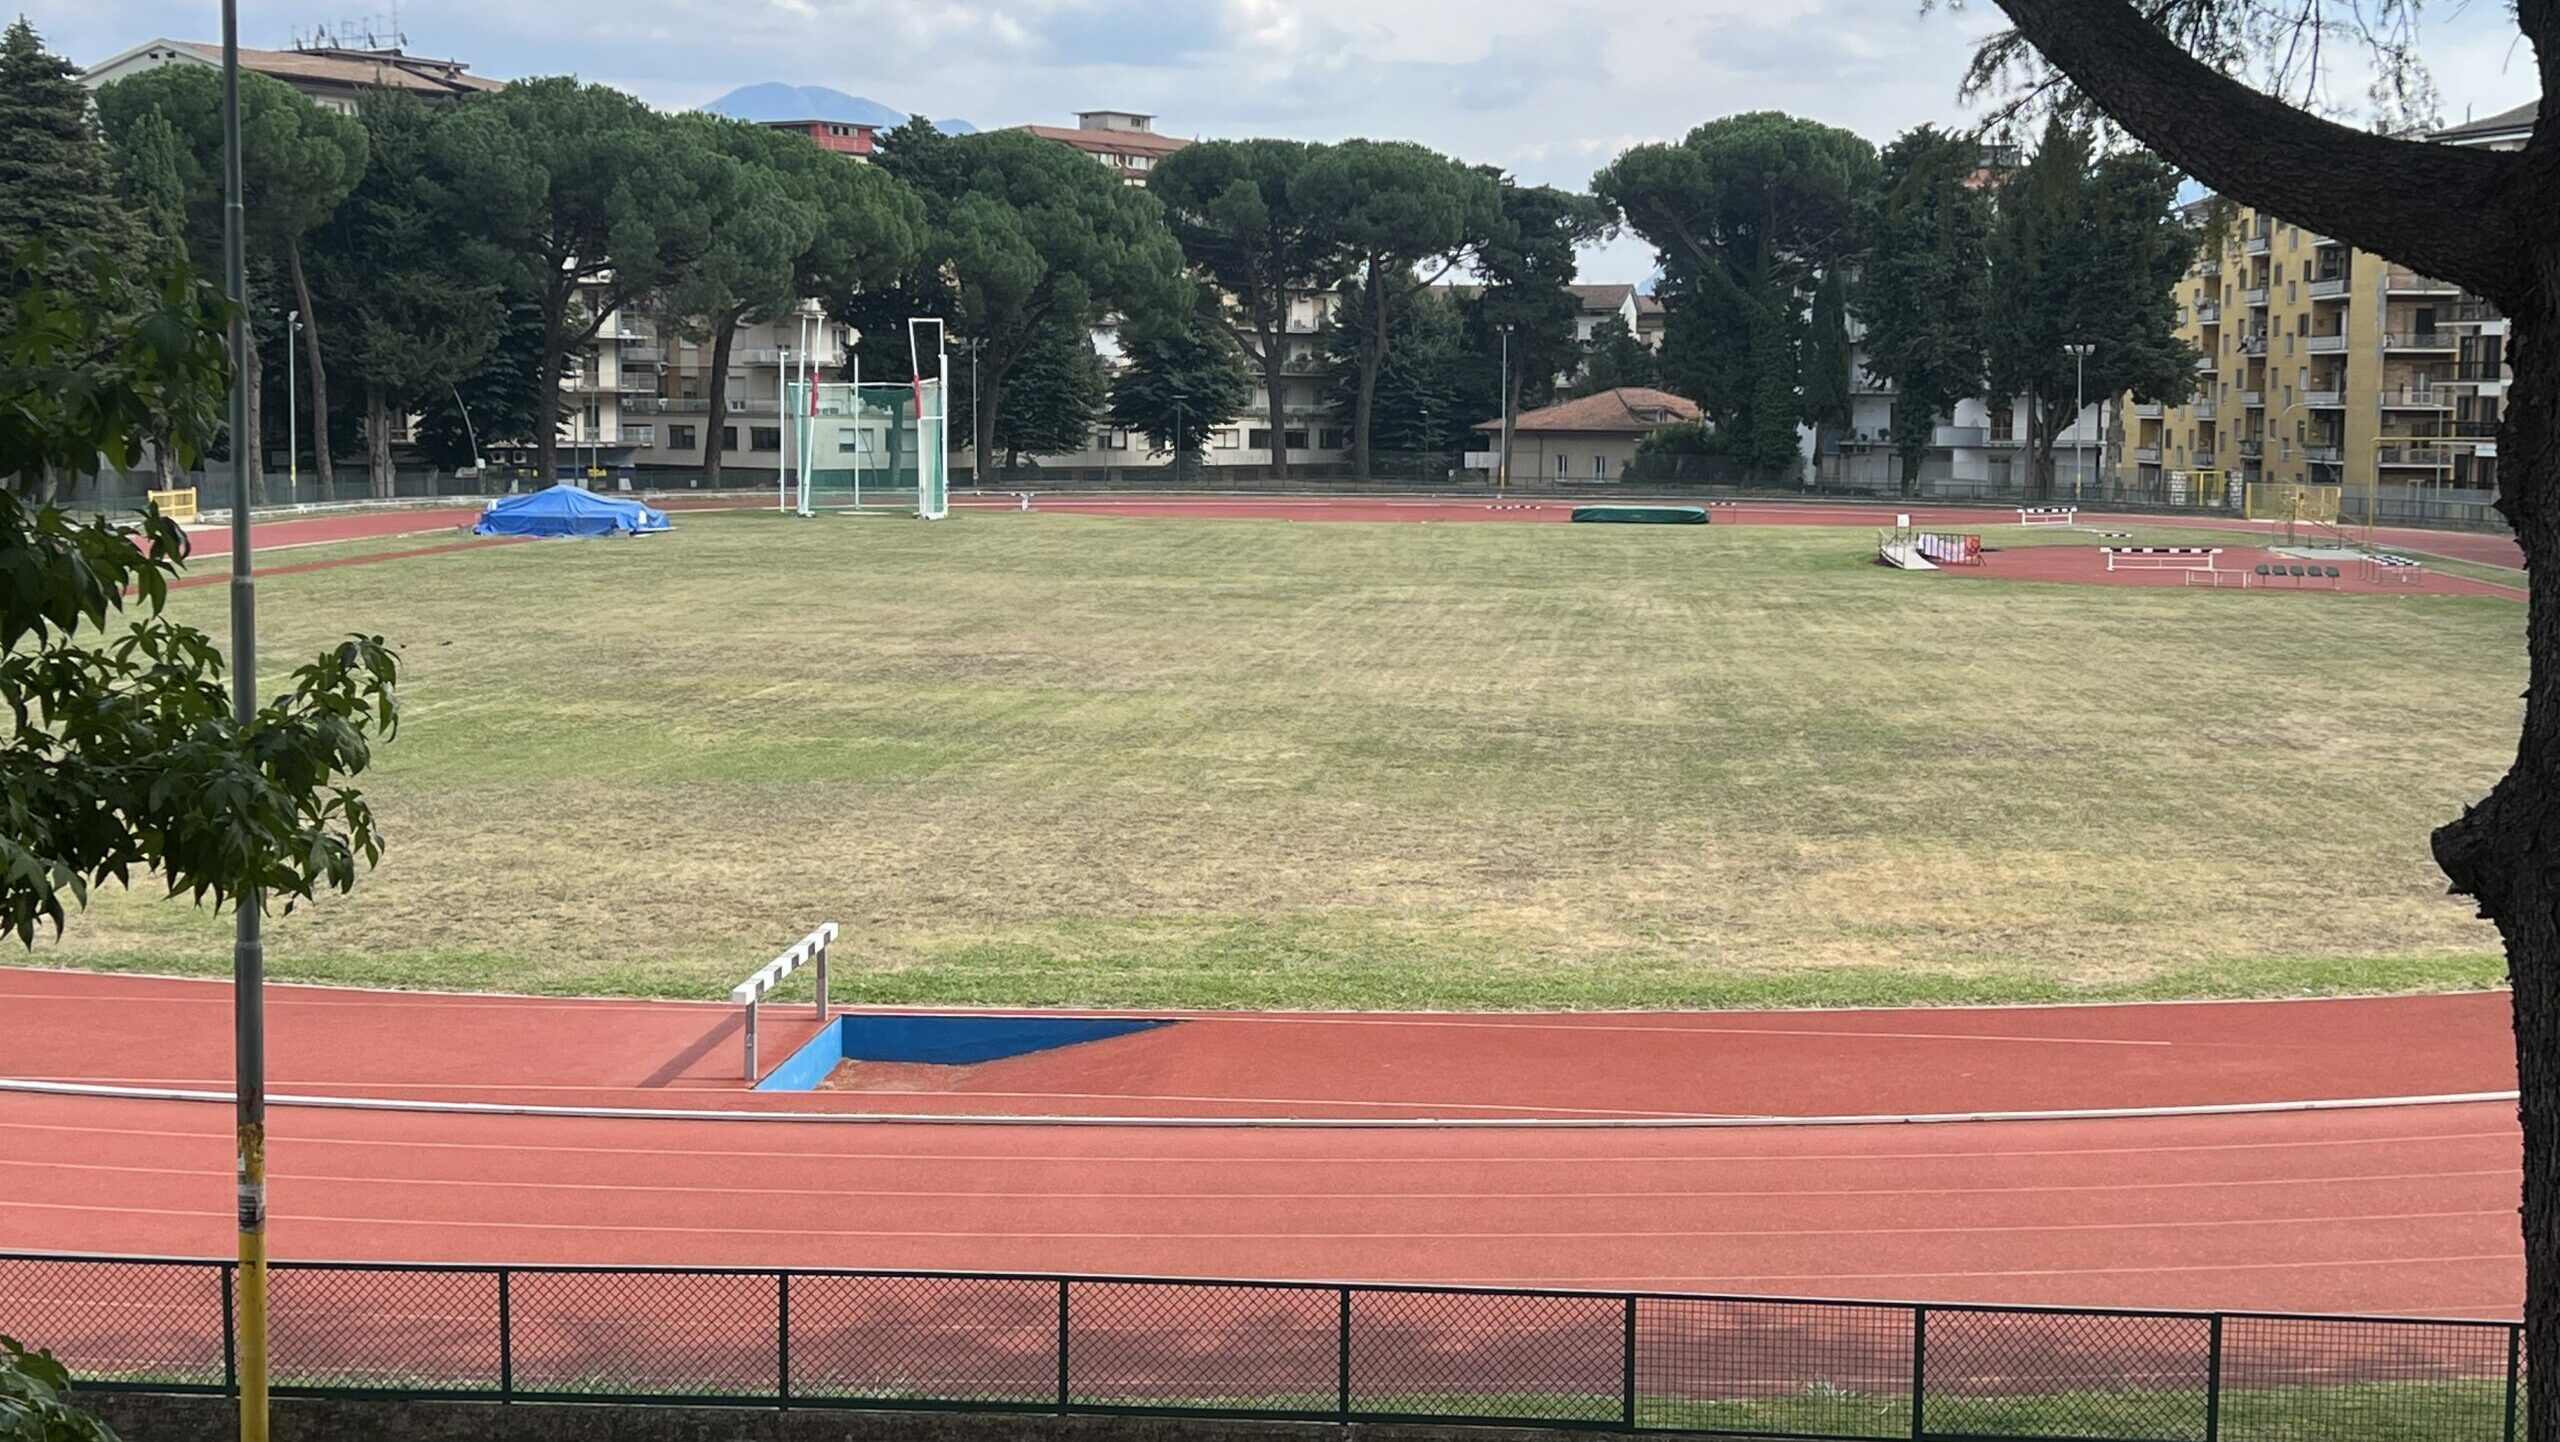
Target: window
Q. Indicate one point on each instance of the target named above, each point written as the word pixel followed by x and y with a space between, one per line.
pixel 640 435
pixel 728 438
pixel 853 441
pixel 1329 437
pixel 1223 440
pixel 1295 440
pixel 1111 440
pixel 1259 437
pixel 1564 467
pixel 1599 468
pixel 682 438
pixel 2291 291
pixel 766 438
pixel 593 422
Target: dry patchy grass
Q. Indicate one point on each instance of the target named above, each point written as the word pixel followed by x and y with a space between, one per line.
pixel 1069 759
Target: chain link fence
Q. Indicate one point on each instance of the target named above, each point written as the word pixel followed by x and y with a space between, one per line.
pixel 1745 1366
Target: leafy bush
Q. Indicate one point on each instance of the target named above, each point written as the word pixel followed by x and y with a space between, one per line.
pixel 35 1401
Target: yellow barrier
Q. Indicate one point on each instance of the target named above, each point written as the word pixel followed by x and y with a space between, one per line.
pixel 176 505
pixel 2284 501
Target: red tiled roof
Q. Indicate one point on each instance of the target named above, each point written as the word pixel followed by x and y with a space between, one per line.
pixel 1628 410
pixel 1109 142
pixel 356 69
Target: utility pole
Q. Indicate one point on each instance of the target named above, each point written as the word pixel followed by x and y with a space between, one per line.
pixel 1178 433
pixel 292 411
pixel 1502 461
pixel 248 950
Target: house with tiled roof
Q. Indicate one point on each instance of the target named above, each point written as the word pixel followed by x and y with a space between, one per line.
pixel 1125 140
pixel 1588 439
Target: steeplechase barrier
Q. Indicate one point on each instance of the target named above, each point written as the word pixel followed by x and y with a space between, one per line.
pixel 2383 566
pixel 178 505
pixel 1951 550
pixel 1302 1351
pixel 2048 515
pixel 752 992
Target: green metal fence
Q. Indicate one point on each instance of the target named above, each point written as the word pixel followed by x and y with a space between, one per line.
pixel 1309 1351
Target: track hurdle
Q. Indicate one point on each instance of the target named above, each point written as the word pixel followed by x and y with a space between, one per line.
pixel 2048 515
pixel 1951 550
pixel 2384 566
pixel 2161 558
pixel 752 991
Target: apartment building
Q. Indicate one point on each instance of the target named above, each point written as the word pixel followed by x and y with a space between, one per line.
pixel 843 137
pixel 1122 139
pixel 1977 449
pixel 2322 364
pixel 332 74
pixel 665 403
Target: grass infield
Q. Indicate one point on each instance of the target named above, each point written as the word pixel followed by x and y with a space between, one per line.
pixel 1050 758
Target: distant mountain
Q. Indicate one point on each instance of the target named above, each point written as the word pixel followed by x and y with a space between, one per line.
pixel 776 101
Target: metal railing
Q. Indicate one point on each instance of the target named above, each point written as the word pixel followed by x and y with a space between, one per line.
pixel 1301 1351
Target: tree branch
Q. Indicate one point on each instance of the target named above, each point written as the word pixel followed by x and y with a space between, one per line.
pixel 2453 211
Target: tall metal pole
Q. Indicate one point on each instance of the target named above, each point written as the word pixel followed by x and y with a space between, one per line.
pixel 1502 463
pixel 248 954
pixel 1178 434
pixel 292 411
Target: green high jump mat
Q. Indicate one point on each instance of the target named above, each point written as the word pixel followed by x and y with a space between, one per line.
pixel 1643 515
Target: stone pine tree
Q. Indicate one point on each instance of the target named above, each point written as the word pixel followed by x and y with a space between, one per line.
pixel 1035 236
pixel 1403 216
pixel 594 198
pixel 415 294
pixel 1420 410
pixel 1922 284
pixel 150 186
pixel 1234 208
pixel 2479 218
pixel 298 161
pixel 2085 250
pixel 1054 392
pixel 1612 358
pixel 1526 262
pixel 1185 378
pixel 1750 214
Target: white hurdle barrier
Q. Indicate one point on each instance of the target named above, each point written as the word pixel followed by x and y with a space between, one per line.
pixel 2161 558
pixel 753 990
pixel 2048 515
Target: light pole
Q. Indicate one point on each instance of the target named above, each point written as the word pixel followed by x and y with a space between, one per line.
pixel 292 412
pixel 1178 399
pixel 2079 405
pixel 479 471
pixel 248 948
pixel 1502 461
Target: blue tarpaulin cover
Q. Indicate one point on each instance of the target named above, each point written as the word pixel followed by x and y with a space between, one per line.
pixel 568 511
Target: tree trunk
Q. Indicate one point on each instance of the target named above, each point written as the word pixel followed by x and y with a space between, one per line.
pixel 2499 852
pixel 377 442
pixel 546 380
pixel 1373 358
pixel 312 367
pixel 164 462
pixel 1275 386
pixel 983 424
pixel 257 438
pixel 724 335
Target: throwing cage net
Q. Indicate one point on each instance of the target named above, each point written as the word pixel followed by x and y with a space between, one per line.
pixel 877 447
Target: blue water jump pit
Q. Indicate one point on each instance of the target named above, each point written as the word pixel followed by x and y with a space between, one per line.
pixel 937 1040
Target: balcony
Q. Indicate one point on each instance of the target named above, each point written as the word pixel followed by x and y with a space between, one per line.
pixel 629 386
pixel 2253 400
pixel 2149 410
pixel 2421 340
pixel 696 405
pixel 2469 312
pixel 2203 461
pixel 2211 265
pixel 2252 450
pixel 2433 457
pixel 2329 287
pixel 2147 455
pixel 2254 296
pixel 2474 430
pixel 2204 411
pixel 2321 455
pixel 2400 280
pixel 644 355
pixel 1957 437
pixel 2477 372
pixel 2257 244
pixel 583 383
pixel 2324 344
pixel 2417 398
pixel 1869 385
pixel 2254 344
pixel 2325 400
pixel 2204 361
pixel 2209 313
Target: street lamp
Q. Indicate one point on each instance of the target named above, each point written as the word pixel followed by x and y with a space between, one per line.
pixel 1502 460
pixel 292 411
pixel 1178 399
pixel 2079 354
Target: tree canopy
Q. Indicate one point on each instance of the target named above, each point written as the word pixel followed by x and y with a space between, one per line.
pixel 1923 284
pixel 53 165
pixel 1184 378
pixel 1749 214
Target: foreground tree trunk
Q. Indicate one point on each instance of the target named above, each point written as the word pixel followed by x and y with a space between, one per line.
pixel 2483 219
pixel 2505 852
pixel 320 461
pixel 1373 358
pixel 983 423
pixel 715 428
pixel 377 443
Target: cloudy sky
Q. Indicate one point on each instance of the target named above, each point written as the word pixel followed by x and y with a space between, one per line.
pixel 1549 88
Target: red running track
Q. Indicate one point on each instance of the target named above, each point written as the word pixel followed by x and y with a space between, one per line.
pixel 2405 1208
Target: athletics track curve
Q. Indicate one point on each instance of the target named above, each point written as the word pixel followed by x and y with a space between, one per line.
pixel 2395 1209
